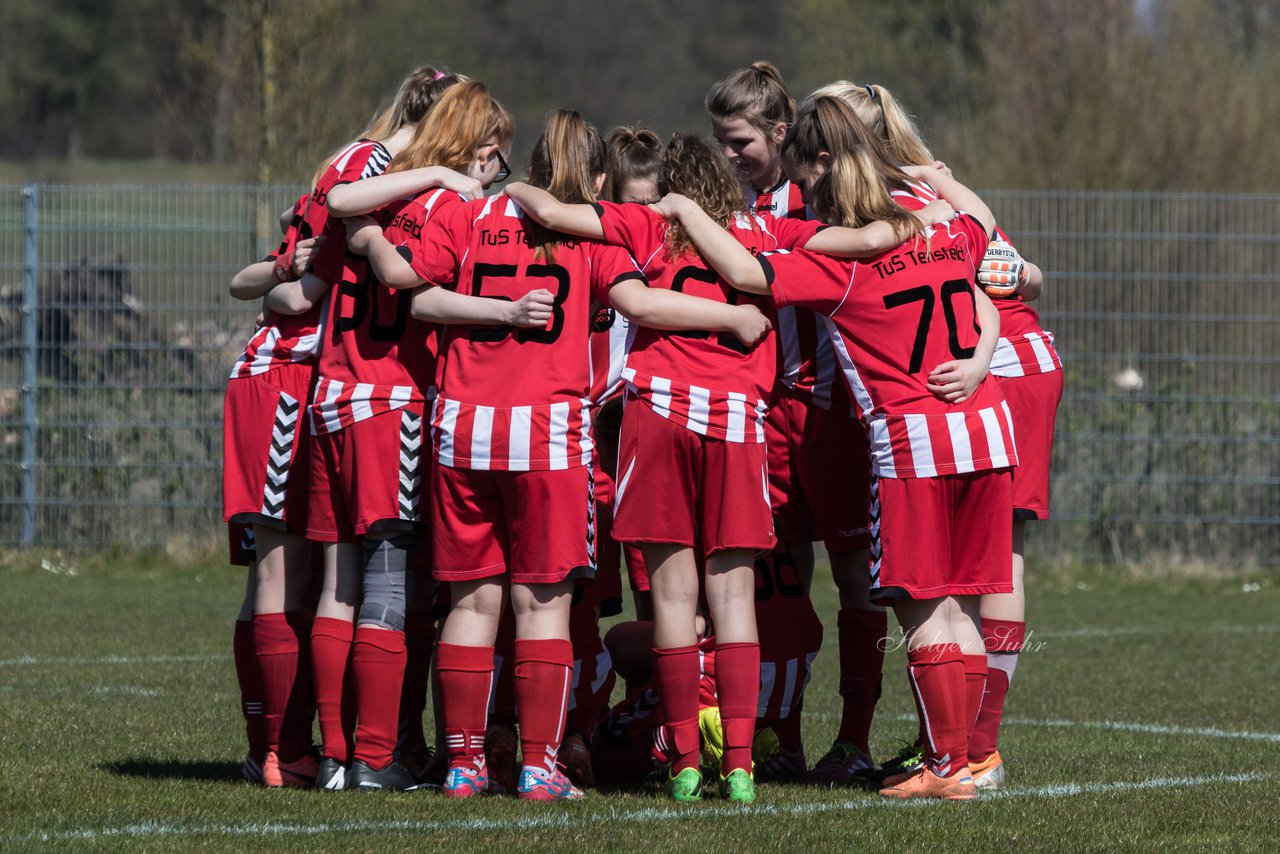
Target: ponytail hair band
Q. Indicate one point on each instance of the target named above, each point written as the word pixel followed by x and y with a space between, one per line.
pixel 440 74
pixel 871 92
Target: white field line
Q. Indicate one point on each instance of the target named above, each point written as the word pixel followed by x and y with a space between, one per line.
pixel 32 661
pixel 576 819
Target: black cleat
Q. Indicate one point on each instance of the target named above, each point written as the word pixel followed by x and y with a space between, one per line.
pixel 394 778
pixel 331 776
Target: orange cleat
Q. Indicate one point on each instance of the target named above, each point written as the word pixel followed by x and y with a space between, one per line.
pixel 926 784
pixel 299 774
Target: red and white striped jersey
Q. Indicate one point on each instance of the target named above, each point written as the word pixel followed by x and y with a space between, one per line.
pixel 707 382
pixel 282 339
pixel 893 318
pixel 1024 347
pixel 790 635
pixel 363 158
pixel 377 358
pixel 514 399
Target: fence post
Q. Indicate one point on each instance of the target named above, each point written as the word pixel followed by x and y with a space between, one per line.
pixel 30 337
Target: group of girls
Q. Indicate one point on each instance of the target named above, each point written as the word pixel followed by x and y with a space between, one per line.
pixel 712 353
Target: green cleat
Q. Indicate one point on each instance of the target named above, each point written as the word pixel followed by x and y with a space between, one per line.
pixel 738 787
pixel 686 786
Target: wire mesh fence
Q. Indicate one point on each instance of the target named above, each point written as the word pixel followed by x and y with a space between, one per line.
pixel 117 335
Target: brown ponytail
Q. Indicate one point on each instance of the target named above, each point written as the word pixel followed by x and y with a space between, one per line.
pixel 633 154
pixel 566 161
pixel 465 116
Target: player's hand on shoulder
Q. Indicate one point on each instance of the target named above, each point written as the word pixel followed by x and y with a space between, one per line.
pixel 957 380
pixel 462 184
pixel 360 232
pixel 1002 270
pixel 304 253
pixel 936 212
pixel 670 205
pixel 751 324
pixel 533 310
pixel 943 168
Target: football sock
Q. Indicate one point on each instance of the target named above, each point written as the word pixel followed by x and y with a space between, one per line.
pixel 377 666
pixel 335 701
pixel 1004 640
pixel 677 674
pixel 276 646
pixel 419 638
pixel 465 674
pixel 543 673
pixel 861 664
pixel 738 690
pixel 250 688
pixel 975 683
pixel 300 714
pixel 937 679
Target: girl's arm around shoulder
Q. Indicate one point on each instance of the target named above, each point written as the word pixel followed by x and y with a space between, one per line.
pixel 720 249
pixel 677 312
pixel 442 305
pixel 547 210
pixel 297 297
pixel 873 239
pixel 364 237
pixel 960 196
pixel 359 197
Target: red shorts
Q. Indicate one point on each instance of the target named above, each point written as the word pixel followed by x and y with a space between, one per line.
pixel 942 536
pixel 1033 402
pixel 676 486
pixel 535 526
pixel 819 474
pixel 636 569
pixel 266 442
pixel 368 478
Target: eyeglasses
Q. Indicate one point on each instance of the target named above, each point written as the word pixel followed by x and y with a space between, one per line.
pixel 504 171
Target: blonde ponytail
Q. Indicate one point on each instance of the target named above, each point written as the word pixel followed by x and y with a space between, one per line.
pixel 885 117
pixel 854 193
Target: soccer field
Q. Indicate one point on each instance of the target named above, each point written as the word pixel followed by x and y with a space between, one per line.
pixel 1145 713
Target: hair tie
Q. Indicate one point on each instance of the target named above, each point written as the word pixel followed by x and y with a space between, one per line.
pixel 439 74
pixel 871 93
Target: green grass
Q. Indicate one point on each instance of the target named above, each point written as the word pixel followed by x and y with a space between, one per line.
pixel 119 724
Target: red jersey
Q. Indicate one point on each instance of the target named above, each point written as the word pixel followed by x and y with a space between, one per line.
pixel 514 399
pixel 893 318
pixel 283 339
pixel 708 382
pixel 363 158
pixel 377 358
pixel 790 635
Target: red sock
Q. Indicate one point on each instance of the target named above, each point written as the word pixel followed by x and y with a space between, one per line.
pixel 738 690
pixel 677 674
pixel 861 663
pixel 937 679
pixel 975 683
pixel 1004 640
pixel 250 689
pixel 276 647
pixel 377 665
pixel 543 673
pixel 335 701
pixel 300 714
pixel 465 674
pixel 419 638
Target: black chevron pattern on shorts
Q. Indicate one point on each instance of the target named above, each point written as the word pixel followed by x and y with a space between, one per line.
pixel 410 465
pixel 873 520
pixel 591 513
pixel 280 456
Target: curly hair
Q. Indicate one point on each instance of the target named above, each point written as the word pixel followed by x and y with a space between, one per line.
pixel 694 167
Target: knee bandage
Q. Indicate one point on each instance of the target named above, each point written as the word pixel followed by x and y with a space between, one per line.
pixel 385 591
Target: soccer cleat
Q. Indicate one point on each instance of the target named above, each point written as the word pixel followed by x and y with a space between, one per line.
pixel 331 776
pixel 577 761
pixel 538 784
pixel 500 758
pixel 926 784
pixel 784 766
pixel 909 760
pixel 842 765
pixel 393 778
pixel 738 787
pixel 300 773
pixel 420 765
pixel 465 781
pixel 989 773
pixel 686 786
pixel 251 769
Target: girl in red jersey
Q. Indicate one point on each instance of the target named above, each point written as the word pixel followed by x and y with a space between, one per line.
pixel 376 373
pixel 1029 371
pixel 267 443
pixel 818 466
pixel 940 469
pixel 512 485
pixel 694 435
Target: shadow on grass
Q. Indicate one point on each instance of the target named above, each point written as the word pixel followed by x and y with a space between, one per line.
pixel 174 769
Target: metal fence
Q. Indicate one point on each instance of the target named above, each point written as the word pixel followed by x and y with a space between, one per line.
pixel 117 334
